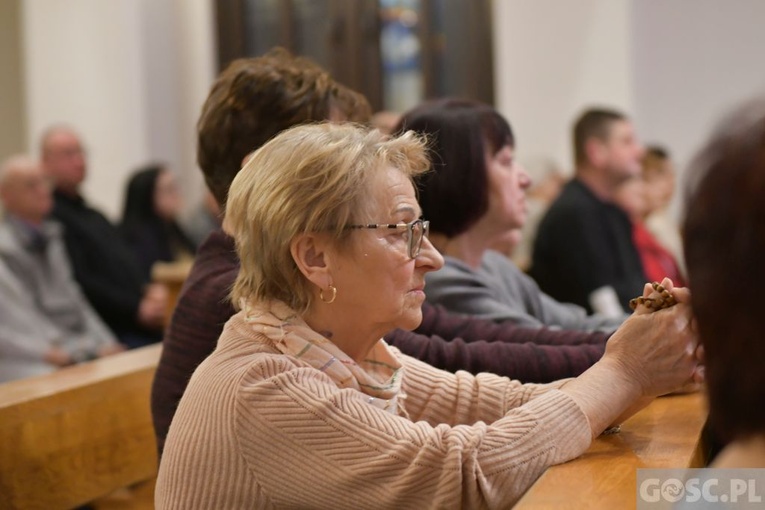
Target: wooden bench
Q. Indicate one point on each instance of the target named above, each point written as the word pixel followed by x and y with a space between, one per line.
pixel 78 434
pixel 666 434
pixel 172 275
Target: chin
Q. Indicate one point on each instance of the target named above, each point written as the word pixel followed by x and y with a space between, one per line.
pixel 411 320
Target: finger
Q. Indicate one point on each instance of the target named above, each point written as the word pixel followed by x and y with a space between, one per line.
pixel 693 325
pixel 699 354
pixel 699 374
pixel 647 290
pixel 684 316
pixel 681 294
pixel 667 284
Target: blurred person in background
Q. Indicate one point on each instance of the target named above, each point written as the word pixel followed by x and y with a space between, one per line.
pixel 150 225
pixel 658 262
pixel 584 252
pixel 204 218
pixel 46 321
pixel 385 121
pixel 103 263
pixel 473 197
pixel 659 177
pixel 540 195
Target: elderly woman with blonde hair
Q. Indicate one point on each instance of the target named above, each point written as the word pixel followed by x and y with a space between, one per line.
pixel 303 405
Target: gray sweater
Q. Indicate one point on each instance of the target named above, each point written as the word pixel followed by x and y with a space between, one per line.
pixel 500 291
pixel 41 305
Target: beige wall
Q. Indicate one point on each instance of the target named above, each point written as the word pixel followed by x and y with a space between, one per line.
pixel 12 118
pixel 673 66
pixel 552 57
pixel 129 75
pixel 694 60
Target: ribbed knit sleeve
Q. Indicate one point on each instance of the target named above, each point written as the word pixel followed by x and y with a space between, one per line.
pixel 437 396
pixel 289 437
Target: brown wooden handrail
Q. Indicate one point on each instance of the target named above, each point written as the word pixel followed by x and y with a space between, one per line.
pixel 77 434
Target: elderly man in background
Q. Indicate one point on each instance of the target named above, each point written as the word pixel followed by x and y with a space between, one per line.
pixel 46 321
pixel 102 261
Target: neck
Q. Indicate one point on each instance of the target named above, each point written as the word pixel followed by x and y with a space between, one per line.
pixel 743 453
pixel 469 247
pixel 347 335
pixel 68 191
pixel 34 222
pixel 597 182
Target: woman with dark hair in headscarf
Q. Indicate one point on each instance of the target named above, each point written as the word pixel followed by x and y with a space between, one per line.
pixel 149 222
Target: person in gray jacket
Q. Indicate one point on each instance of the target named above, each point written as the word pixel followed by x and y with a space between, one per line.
pixel 474 196
pixel 46 321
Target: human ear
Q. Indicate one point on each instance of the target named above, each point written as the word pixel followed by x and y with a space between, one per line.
pixel 309 251
pixel 596 151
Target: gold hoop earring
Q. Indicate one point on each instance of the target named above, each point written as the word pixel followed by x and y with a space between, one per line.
pixel 332 299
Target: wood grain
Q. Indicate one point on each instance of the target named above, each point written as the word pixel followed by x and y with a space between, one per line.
pixel 666 434
pixel 77 434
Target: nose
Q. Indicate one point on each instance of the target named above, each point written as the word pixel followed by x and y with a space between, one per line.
pixel 639 150
pixel 429 259
pixel 524 179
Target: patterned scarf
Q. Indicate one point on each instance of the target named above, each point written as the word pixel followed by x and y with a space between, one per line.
pixel 378 376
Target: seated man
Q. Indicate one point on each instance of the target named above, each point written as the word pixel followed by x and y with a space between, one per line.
pixel 46 321
pixel 103 263
pixel 584 253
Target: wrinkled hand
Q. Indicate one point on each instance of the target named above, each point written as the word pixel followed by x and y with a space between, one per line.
pixel 656 296
pixel 658 350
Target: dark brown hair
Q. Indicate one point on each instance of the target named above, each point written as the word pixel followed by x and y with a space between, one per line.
pixel 254 99
pixel 724 241
pixel 593 123
pixel 456 193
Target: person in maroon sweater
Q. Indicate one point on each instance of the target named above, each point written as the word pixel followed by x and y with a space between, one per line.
pixel 251 101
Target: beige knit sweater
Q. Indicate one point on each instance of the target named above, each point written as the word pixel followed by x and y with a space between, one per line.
pixel 259 429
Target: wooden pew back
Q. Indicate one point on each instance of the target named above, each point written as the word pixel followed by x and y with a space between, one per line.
pixel 77 434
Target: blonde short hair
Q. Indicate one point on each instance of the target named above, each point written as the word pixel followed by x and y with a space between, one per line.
pixel 310 178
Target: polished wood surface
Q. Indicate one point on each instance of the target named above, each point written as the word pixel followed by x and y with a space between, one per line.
pixel 666 434
pixel 172 275
pixel 72 436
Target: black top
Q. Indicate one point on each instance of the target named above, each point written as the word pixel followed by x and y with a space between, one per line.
pixel 103 264
pixel 583 244
pixel 151 237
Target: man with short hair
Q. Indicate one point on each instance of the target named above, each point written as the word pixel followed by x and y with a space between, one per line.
pixel 584 252
pixel 46 321
pixel 103 264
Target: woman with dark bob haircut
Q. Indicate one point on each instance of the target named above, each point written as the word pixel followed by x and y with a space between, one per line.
pixel 474 196
pixel 724 241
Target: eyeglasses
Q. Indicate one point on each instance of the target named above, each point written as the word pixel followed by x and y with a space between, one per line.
pixel 415 231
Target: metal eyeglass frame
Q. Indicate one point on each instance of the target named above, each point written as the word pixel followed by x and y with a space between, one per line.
pixel 414 243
